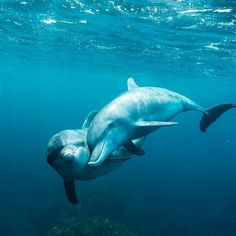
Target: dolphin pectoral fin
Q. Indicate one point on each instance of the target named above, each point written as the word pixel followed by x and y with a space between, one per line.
pixel 146 127
pixel 69 186
pixel 213 114
pixel 132 148
pixel 131 84
pixel 139 142
pixel 89 119
pixel 155 123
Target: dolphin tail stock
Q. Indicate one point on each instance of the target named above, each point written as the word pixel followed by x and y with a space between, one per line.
pixel 212 114
pixel 69 186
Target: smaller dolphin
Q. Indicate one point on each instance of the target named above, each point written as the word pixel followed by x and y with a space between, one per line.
pixel 68 154
pixel 137 113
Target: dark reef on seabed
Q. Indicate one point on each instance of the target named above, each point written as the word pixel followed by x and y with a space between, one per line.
pixel 101 212
pixel 89 226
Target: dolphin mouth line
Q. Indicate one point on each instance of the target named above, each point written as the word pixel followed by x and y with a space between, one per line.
pixel 94 163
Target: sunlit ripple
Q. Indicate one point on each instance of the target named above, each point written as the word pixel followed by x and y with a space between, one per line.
pixel 49 21
pixel 170 29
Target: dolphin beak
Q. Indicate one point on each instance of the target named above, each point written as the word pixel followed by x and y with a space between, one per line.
pixel 68 153
pixel 68 157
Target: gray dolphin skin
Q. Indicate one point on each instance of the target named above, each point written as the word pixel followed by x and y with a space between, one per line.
pixel 68 154
pixel 137 113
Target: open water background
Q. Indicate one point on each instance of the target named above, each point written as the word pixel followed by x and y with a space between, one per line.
pixel 59 60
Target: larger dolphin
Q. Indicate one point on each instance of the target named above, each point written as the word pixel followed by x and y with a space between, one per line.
pixel 137 113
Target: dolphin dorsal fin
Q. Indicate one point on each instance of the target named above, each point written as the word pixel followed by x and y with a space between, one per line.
pixel 131 84
pixel 89 119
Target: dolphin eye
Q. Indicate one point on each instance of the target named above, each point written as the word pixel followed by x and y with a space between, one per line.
pixel 111 124
pixel 51 158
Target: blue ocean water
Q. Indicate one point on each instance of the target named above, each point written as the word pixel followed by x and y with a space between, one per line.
pixel 59 60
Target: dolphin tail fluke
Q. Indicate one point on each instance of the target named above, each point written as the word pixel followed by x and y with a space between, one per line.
pixel 213 114
pixel 70 191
